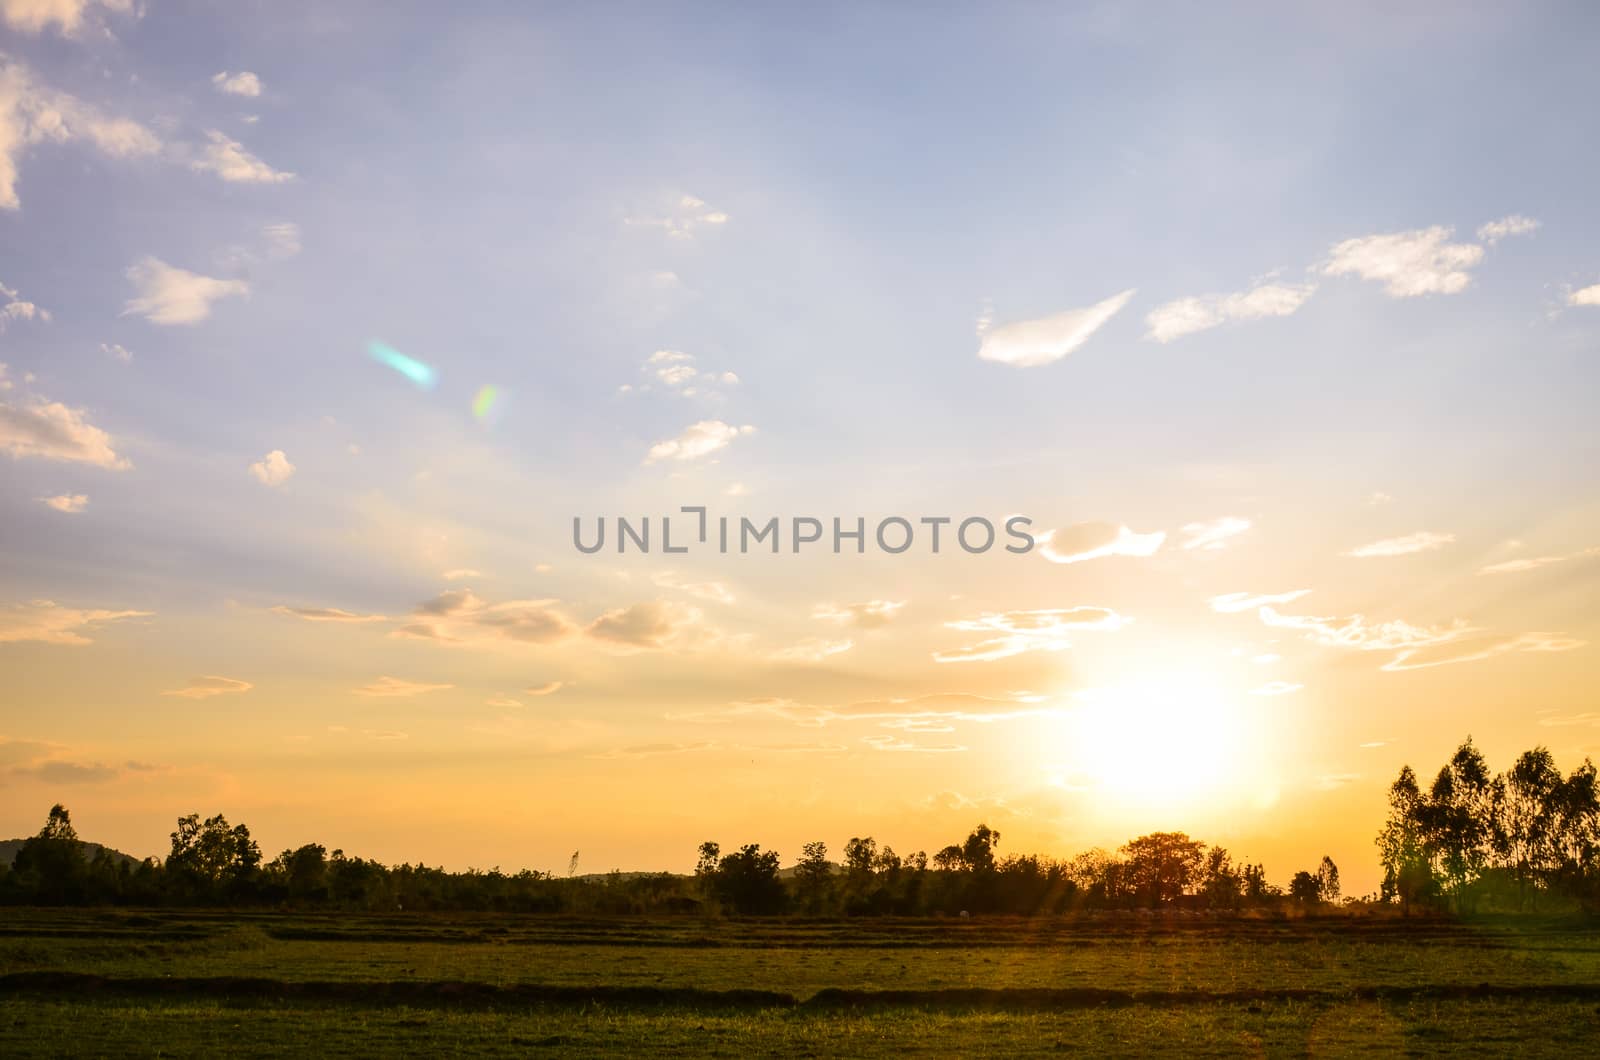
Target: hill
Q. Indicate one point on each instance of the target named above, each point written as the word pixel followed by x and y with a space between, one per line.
pixel 9 848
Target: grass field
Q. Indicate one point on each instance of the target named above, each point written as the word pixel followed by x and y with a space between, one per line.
pixel 196 983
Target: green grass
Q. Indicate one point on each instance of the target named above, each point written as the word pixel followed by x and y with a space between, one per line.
pixel 187 983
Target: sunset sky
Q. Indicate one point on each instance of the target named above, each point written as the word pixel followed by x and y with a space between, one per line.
pixel 1286 338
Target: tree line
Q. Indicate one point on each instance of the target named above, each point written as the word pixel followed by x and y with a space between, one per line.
pixel 1525 839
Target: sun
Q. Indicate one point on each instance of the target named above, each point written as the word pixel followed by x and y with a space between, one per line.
pixel 1178 742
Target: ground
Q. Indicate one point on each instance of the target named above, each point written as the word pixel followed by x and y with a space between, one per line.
pixel 199 983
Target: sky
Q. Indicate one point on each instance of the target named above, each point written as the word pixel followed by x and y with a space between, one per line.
pixel 321 324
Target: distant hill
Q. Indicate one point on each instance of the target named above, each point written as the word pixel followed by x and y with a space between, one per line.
pixel 9 848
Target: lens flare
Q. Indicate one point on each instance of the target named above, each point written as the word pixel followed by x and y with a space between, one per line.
pixel 486 403
pixel 414 370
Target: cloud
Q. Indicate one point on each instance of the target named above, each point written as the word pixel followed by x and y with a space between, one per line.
pixel 812 649
pixel 47 622
pixel 273 469
pixel 1408 264
pixel 697 440
pixel 654 750
pixel 1588 296
pixel 1185 316
pixel 461 572
pixel 1331 781
pixel 1015 632
pixel 71 772
pixel 1588 718
pixel 52 431
pixel 1029 343
pixel 869 614
pixel 683 218
pixel 919 713
pixel 67 503
pixel 679 373
pixel 894 743
pixel 323 614
pixel 170 295
pixel 458 616
pixel 1512 225
pixel 1229 603
pixel 715 592
pixel 206 687
pixel 32 114
pixel 1276 688
pixel 243 83
pixel 1213 535
pixel 121 353
pixel 13 307
pixel 549 688
pixel 1474 649
pixel 282 239
pixel 1514 566
pixel 1356 632
pixel 1095 540
pixel 1421 541
pixel 651 625
pixel 394 687
pixel 228 159
pixel 35 16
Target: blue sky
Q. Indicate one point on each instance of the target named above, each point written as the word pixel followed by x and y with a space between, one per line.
pixel 824 202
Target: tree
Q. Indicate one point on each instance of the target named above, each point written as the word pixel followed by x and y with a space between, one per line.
pixel 813 873
pixel 747 881
pixel 53 862
pixel 1328 880
pixel 977 853
pixel 1528 812
pixel 213 859
pixel 1305 887
pixel 1459 821
pixel 1402 844
pixel 1162 865
pixel 1220 882
pixel 860 855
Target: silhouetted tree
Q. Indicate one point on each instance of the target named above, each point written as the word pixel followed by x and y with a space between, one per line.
pixel 1162 865
pixel 1328 880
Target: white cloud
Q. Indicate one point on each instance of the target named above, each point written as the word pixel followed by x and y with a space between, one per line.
pixel 549 688
pixel 228 159
pixel 1276 688
pixel 1085 541
pixel 1421 541
pixel 48 622
pixel 324 614
pixel 282 239
pixel 120 352
pixel 1588 296
pixel 170 295
pixel 812 649
pixel 1515 566
pixel 1230 603
pixel 1408 264
pixel 1478 648
pixel 1356 632
pixel 1015 632
pixel 460 573
pixel 52 431
pixel 1512 225
pixel 32 114
pixel 35 16
pixel 714 591
pixel 697 440
pixel 273 469
pixel 1210 536
pixel 69 503
pixel 1185 316
pixel 206 687
pixel 683 218
pixel 1029 343
pixel 868 614
pixel 394 687
pixel 14 307
pixel 679 373
pixel 243 83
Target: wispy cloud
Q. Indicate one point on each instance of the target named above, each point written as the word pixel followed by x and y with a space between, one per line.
pixel 67 16
pixel 1511 225
pixel 1421 541
pixel 868 614
pixel 1029 343
pixel 324 614
pixel 549 688
pixel 1229 603
pixel 686 216
pixel 812 649
pixel 1276 688
pixel 170 295
pixel 52 431
pixel 1515 566
pixel 1475 649
pixel 395 688
pixel 1586 296
pixel 14 307
pixel 230 160
pixel 67 503
pixel 1213 535
pixel 1096 540
pixel 1015 632
pixel 1185 316
pixel 697 440
pixel 243 83
pixel 48 622
pixel 206 687
pixel 1408 264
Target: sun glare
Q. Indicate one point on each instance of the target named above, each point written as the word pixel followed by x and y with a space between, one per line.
pixel 1175 743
